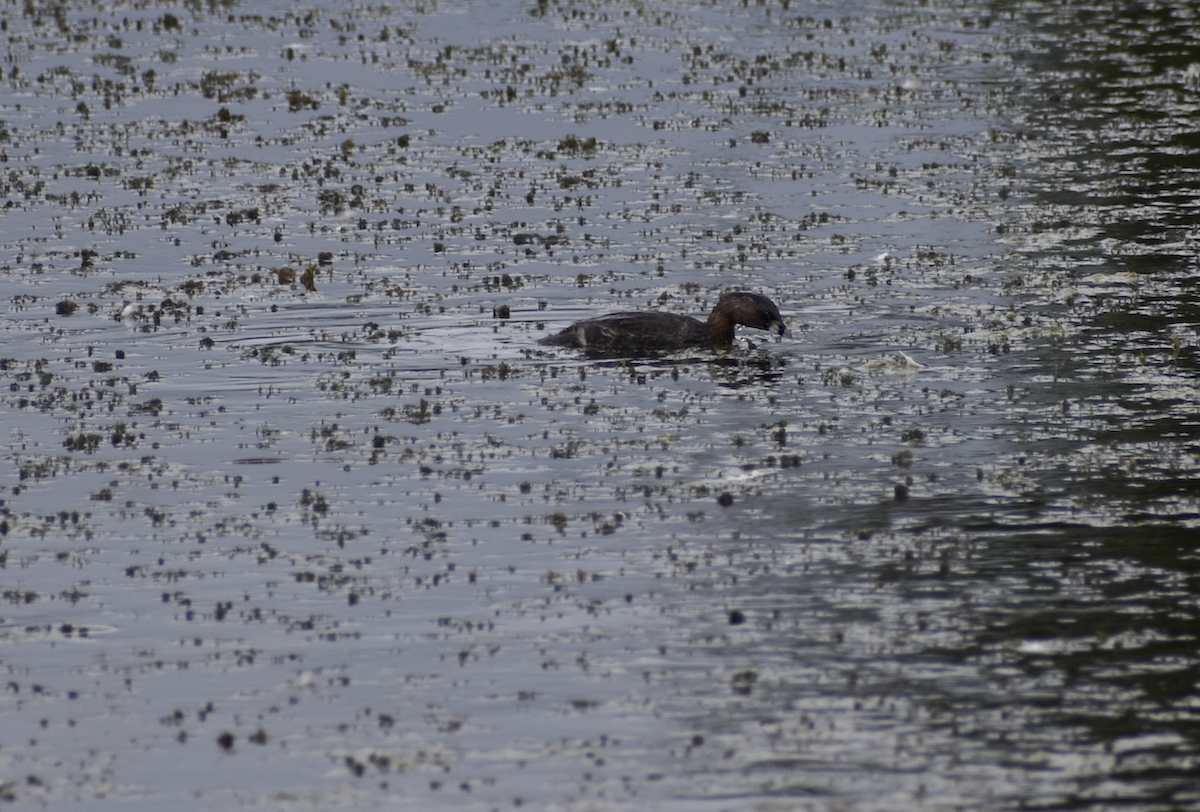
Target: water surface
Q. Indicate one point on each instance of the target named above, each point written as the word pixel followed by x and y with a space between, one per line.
pixel 297 514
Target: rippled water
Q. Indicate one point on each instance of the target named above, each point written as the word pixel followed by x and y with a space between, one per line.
pixel 297 514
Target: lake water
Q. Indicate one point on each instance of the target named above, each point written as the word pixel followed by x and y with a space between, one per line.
pixel 296 514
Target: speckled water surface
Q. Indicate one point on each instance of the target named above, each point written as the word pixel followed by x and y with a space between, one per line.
pixel 296 514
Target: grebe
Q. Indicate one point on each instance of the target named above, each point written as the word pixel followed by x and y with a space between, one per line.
pixel 641 332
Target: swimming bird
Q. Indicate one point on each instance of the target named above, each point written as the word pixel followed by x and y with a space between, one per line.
pixel 643 332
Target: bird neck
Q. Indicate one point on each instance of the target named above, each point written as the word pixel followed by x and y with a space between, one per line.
pixel 720 326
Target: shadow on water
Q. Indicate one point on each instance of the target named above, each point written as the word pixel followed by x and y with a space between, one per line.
pixel 730 370
pixel 1077 599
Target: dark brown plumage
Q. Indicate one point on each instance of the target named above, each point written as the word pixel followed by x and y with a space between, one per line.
pixel 639 333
